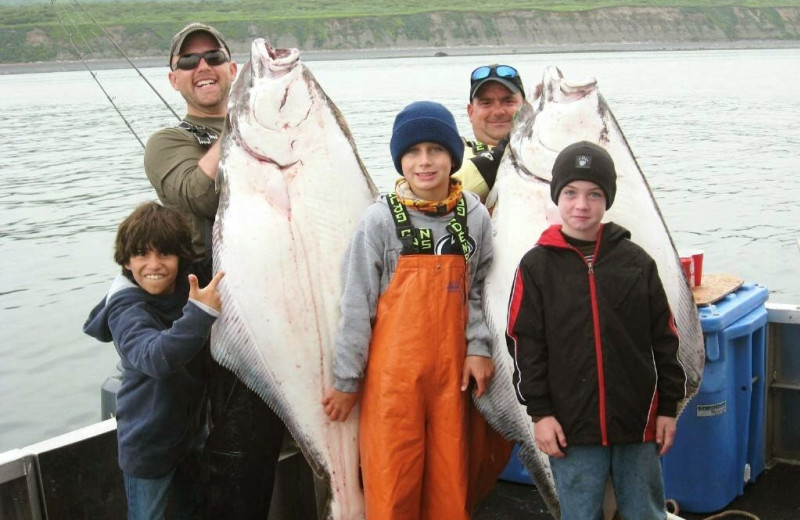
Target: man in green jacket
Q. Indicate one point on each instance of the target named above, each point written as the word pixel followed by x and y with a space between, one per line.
pixel 181 163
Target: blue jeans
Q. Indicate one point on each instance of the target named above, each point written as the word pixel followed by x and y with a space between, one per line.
pixel 148 497
pixel 634 469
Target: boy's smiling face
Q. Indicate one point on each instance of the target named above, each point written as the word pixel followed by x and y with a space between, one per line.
pixel 154 271
pixel 581 205
pixel 426 167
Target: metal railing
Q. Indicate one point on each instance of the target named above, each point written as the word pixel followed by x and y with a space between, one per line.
pixel 783 383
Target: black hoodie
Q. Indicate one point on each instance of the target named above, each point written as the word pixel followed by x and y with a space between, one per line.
pixel 595 344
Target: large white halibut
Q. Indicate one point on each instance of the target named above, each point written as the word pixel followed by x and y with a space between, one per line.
pixel 292 190
pixel 561 114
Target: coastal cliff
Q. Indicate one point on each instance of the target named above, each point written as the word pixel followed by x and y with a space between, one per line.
pixel 548 28
pixel 445 30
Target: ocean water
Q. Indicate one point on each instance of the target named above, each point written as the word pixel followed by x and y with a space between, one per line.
pixel 716 133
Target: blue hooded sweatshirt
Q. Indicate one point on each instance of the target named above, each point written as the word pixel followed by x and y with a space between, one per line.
pixel 161 403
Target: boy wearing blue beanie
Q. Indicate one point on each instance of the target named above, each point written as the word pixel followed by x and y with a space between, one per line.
pixel 412 334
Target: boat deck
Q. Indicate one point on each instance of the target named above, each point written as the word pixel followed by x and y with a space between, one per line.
pixel 775 495
pixel 76 476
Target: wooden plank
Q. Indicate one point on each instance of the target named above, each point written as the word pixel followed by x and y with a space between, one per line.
pixel 715 287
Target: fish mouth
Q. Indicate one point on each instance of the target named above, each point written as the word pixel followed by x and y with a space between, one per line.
pixel 264 57
pixel 555 88
pixel 265 133
pixel 282 54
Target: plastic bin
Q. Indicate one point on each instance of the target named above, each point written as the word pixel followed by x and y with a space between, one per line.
pixel 720 441
pixel 515 471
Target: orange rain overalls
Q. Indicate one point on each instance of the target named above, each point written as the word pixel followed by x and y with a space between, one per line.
pixel 413 431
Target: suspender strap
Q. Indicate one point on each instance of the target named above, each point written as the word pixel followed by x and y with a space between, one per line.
pixel 458 227
pixel 205 137
pixel 420 241
pixel 402 224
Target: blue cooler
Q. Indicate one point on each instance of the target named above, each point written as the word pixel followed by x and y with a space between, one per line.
pixel 719 446
pixel 515 471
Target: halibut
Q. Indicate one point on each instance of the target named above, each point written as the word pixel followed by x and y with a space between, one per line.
pixel 292 191
pixel 560 113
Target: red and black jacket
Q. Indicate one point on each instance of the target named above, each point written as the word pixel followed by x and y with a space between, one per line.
pixel 594 344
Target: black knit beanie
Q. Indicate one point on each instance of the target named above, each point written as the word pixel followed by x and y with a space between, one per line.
pixel 584 161
pixel 425 121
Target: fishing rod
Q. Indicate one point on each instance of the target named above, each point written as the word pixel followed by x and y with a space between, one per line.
pixel 116 45
pixel 94 76
pixel 81 55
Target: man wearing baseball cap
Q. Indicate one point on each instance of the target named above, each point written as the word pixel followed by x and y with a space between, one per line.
pixel 241 452
pixel 495 94
pixel 181 161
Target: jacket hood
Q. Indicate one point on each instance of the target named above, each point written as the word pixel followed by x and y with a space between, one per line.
pixel 124 291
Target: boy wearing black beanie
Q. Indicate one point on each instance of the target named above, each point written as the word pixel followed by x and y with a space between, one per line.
pixel 595 348
pixel 412 335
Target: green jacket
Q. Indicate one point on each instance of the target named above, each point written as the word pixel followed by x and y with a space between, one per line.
pixel 170 161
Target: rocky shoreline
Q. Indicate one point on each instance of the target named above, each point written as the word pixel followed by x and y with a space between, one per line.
pixel 416 52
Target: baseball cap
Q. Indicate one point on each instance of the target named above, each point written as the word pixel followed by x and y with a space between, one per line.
pixel 180 38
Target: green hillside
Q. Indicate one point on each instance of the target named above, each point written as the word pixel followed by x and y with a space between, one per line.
pixel 40 30
pixel 128 11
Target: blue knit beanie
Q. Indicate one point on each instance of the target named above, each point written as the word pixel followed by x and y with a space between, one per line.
pixel 425 121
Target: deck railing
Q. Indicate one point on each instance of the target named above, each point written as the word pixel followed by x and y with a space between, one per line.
pixel 783 383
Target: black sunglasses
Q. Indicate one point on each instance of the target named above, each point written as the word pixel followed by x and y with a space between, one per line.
pixel 498 71
pixel 191 61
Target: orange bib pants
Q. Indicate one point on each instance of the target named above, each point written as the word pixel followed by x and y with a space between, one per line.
pixel 413 432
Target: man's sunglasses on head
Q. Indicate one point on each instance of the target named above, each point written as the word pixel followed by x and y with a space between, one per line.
pixel 498 71
pixel 191 61
pixel 504 73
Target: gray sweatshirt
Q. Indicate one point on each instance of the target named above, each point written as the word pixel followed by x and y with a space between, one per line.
pixel 369 266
